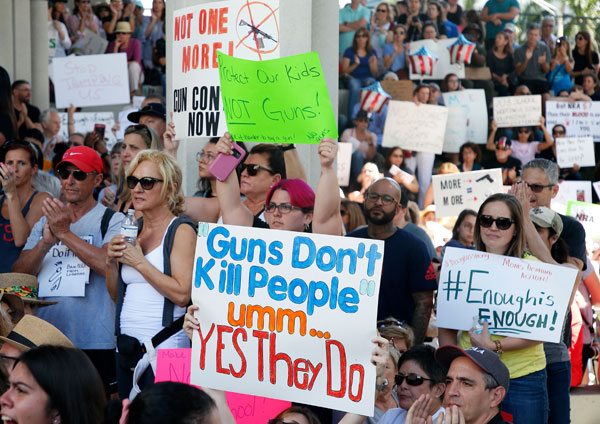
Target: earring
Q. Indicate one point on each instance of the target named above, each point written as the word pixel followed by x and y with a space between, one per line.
pixel 56 420
pixel 306 227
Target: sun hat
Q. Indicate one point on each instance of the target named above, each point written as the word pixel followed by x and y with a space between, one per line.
pixel 32 332
pixel 23 285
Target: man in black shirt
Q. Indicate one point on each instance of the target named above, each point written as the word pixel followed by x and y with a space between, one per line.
pixel 27 115
pixel 510 166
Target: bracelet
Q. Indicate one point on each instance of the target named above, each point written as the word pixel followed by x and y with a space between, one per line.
pixel 499 350
pixel 287 147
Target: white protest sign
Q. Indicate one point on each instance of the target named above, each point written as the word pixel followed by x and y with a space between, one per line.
pixel 473 101
pixel 522 298
pixel 456 129
pixel 596 186
pixel 124 122
pixel 575 150
pixel 344 157
pixel 420 128
pixel 84 122
pixel 580 119
pixel 588 214
pixel 246 30
pixel 516 111
pixel 467 190
pixel 580 191
pixel 286 315
pixel 94 80
pixel 62 273
pixel 442 66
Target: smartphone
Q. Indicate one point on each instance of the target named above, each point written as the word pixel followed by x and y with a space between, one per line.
pixel 223 165
pixel 99 129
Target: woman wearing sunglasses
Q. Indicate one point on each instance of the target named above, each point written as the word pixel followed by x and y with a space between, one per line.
pixel 138 270
pixel 21 204
pixel 395 54
pixel 585 57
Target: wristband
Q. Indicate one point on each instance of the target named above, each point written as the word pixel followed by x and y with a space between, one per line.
pixel 287 147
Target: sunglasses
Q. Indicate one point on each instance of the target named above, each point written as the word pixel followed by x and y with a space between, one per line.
pixel 362 36
pixel 558 132
pixel 252 169
pixel 502 223
pixel 388 323
pixel 411 379
pixel 147 183
pixel 283 208
pixel 537 188
pixel 381 10
pixel 386 199
pixel 524 130
pixel 580 38
pixel 79 175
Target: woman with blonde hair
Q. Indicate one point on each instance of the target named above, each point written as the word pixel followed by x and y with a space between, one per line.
pixel 445 168
pixel 352 215
pixel 399 334
pixel 150 279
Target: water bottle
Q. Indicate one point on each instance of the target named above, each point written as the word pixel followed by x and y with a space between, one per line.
pixel 477 325
pixel 129 227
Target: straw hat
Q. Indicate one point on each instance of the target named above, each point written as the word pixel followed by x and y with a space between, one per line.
pixel 32 332
pixel 123 26
pixel 23 285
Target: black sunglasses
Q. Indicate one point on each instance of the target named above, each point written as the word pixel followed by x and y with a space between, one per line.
pixel 252 169
pixel 79 175
pixel 502 223
pixel 147 183
pixel 524 130
pixel 411 379
pixel 558 132
pixel 537 188
pixel 389 323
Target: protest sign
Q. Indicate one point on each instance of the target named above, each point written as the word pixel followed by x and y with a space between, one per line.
pixel 454 192
pixel 84 122
pixel 281 100
pixel 522 298
pixel 589 216
pixel 581 119
pixel 94 80
pixel 456 129
pixel 442 66
pixel 473 101
pixel 263 293
pixel 399 90
pixel 248 30
pixel 62 273
pixel 421 128
pixel 517 111
pixel 174 365
pixel 344 158
pixel 575 150
pixel 580 191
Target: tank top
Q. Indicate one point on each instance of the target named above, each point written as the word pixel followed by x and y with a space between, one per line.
pixel 10 252
pixel 141 316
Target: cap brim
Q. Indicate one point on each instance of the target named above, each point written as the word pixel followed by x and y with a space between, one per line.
pixel 83 166
pixel 39 302
pixel 444 355
pixel 135 116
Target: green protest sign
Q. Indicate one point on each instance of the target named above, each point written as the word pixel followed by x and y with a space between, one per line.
pixel 279 101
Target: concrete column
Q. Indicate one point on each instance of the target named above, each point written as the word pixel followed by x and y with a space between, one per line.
pixel 22 38
pixel 40 85
pixel 7 51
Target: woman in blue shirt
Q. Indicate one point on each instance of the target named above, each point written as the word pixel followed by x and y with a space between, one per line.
pixel 395 54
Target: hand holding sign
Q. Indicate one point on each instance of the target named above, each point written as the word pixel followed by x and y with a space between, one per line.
pixel 190 323
pixel 328 152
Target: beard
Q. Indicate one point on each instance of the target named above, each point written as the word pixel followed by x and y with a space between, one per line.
pixel 384 218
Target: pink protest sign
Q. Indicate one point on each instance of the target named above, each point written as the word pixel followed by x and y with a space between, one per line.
pixel 174 365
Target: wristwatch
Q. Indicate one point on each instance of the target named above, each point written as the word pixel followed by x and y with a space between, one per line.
pixel 381 387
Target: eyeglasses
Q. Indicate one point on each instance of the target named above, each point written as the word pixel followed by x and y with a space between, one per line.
pixel 208 157
pixel 283 208
pixel 79 175
pixel 524 130
pixel 381 10
pixel 537 188
pixel 362 36
pixel 388 323
pixel 400 33
pixel 386 199
pixel 411 379
pixel 559 132
pixel 252 169
pixel 147 183
pixel 502 223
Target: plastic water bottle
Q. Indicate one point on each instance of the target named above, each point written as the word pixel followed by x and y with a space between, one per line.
pixel 129 227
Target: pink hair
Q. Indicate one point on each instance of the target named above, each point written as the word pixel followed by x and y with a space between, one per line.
pixel 301 195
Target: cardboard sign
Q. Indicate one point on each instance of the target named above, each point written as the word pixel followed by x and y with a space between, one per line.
pixel 94 80
pixel 473 101
pixel 442 66
pixel 581 119
pixel 579 191
pixel 286 315
pixel 588 214
pixel 517 111
pixel 454 192
pixel 420 128
pixel 281 100
pixel 522 298
pixel 344 158
pixel 62 273
pixel 84 122
pixel 399 90
pixel 456 129
pixel 175 364
pixel 575 150
pixel 247 30
pixel 473 73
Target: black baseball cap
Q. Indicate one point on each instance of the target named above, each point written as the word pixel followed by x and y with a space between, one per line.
pixel 484 358
pixel 152 109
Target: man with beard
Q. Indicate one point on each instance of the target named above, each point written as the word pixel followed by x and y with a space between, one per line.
pixel 407 279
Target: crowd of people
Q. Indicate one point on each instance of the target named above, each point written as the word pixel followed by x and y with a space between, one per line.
pixel 87 358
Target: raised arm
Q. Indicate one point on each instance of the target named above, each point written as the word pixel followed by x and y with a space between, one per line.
pixel 293 164
pixel 326 217
pixel 490 141
pixel 548 141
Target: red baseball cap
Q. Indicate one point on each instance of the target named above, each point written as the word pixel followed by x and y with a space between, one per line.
pixel 84 158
